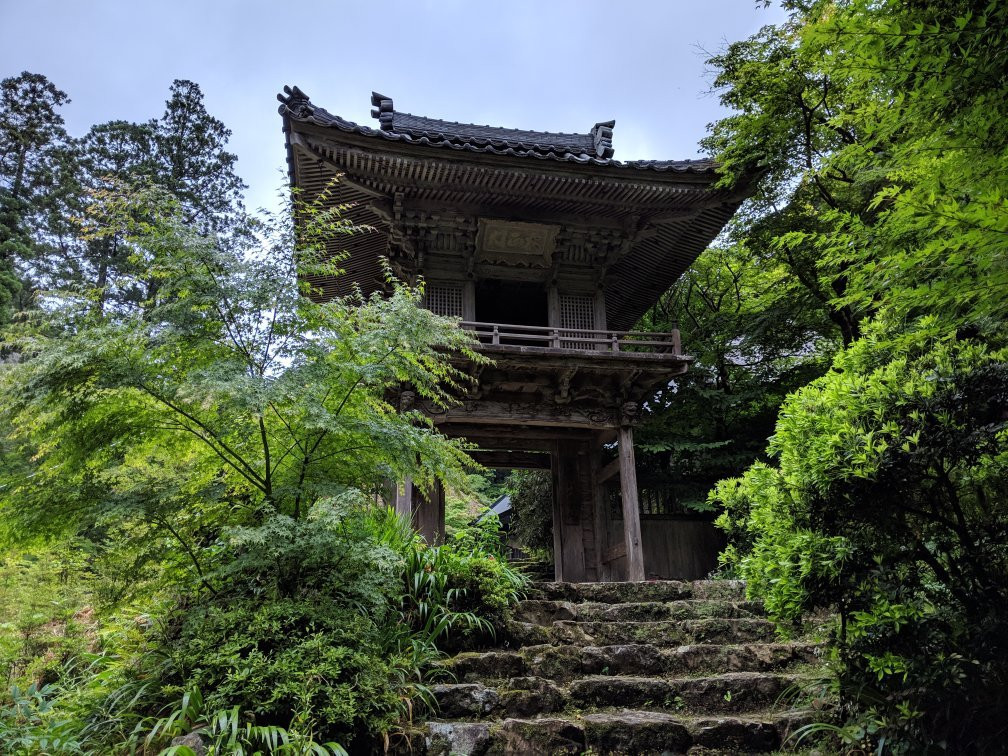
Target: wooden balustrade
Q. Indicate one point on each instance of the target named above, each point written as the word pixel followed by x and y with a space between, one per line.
pixel 577 339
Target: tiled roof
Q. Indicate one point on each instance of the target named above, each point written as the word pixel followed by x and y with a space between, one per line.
pixel 594 148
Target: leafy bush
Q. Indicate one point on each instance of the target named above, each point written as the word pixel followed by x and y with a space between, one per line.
pixel 295 627
pixel 890 504
pixel 224 732
pixel 44 614
pixel 331 622
pixel 458 592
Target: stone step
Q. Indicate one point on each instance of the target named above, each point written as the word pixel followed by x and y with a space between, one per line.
pixel 625 731
pixel 653 590
pixel 733 693
pixel 660 633
pixel 544 611
pixel 563 663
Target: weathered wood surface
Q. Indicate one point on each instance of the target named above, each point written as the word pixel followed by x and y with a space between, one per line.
pixel 429 512
pixel 631 512
pixel 609 470
pixel 404 498
pixel 680 549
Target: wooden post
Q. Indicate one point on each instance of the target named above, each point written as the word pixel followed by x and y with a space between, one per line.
pixel 598 512
pixel 429 513
pixel 631 512
pixel 553 314
pixel 469 300
pixel 558 561
pixel 600 320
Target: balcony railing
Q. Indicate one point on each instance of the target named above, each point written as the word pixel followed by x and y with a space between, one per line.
pixel 550 338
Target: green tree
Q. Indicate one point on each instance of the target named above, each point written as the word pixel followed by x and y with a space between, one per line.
pixel 192 161
pixel 116 151
pixel 754 336
pixel 531 494
pixel 227 396
pixel 33 155
pixel 885 498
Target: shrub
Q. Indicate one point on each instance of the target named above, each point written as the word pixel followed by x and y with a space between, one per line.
pixel 888 504
pixel 458 592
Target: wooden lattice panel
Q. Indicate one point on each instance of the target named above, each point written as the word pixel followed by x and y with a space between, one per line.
pixel 445 299
pixel 577 312
pixel 654 500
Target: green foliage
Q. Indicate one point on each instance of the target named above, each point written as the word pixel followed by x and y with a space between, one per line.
pixel 457 592
pixel 194 436
pixel 531 494
pixel 888 503
pixel 883 194
pixel 29 725
pixel 34 150
pixel 754 337
pixel 47 180
pixel 224 732
pixel 45 614
pixel 191 160
pixel 228 388
pixel 461 508
pixel 296 626
pixel 211 442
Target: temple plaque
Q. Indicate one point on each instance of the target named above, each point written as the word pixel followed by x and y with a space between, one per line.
pixel 529 245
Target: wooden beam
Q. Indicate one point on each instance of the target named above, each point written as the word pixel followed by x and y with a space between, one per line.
pixel 544 414
pixel 631 511
pixel 512 459
pixel 524 438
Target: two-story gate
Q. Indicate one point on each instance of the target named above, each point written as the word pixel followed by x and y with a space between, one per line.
pixel 550 251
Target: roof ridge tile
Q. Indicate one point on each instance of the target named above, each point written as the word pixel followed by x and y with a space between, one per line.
pixel 596 148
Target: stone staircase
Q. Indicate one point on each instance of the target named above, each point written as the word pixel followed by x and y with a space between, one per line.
pixel 657 667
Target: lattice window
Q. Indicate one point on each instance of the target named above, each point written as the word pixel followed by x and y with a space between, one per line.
pixel 444 299
pixel 577 312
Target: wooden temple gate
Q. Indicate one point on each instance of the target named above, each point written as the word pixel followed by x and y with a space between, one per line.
pixel 549 251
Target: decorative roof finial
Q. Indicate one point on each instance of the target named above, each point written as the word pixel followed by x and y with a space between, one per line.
pixel 382 110
pixel 295 102
pixel 602 134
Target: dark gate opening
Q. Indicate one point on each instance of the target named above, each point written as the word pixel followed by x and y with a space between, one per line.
pixel 513 303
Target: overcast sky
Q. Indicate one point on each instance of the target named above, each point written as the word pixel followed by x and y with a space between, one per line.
pixel 537 64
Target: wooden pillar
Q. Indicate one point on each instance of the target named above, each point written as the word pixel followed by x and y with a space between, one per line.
pixel 429 513
pixel 598 511
pixel 469 300
pixel 600 319
pixel 553 313
pixel 631 510
pixel 558 571
pixel 426 511
pixel 573 528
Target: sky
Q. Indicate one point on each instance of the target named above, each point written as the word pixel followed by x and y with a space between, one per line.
pixel 550 65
